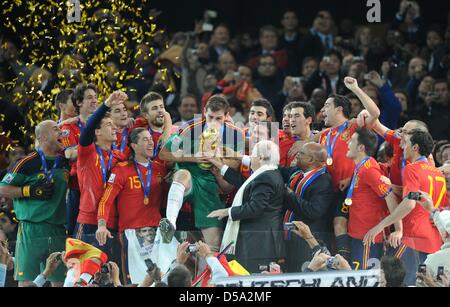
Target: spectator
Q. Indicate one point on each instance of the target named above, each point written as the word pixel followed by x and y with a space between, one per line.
pixel 320 37
pixel 268 39
pixel 187 109
pixel 309 66
pixel 219 43
pixel 290 39
pixel 392 272
pixel 409 21
pixel 328 76
pixel 268 82
pixel 436 111
pixel 259 210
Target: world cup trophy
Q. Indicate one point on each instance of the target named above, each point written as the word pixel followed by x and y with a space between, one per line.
pixel 209 136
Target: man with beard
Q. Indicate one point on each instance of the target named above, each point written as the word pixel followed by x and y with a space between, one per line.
pixel 152 111
pixel 119 116
pixel 38 185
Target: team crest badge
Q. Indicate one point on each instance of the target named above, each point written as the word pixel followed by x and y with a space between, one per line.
pixel 65 133
pixel 345 136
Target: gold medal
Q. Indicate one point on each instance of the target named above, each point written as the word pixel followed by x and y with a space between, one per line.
pixel 329 161
pixel 145 200
pixel 348 201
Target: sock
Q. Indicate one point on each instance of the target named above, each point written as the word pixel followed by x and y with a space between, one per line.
pixel 174 202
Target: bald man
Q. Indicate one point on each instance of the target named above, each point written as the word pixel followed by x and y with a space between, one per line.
pixel 38 185
pixel 310 200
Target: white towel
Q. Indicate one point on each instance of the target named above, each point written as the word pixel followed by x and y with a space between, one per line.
pixel 232 228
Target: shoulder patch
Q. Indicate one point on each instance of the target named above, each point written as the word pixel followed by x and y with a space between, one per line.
pixel 111 179
pixel 9 178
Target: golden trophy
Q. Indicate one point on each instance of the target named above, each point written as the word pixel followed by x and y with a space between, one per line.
pixel 208 137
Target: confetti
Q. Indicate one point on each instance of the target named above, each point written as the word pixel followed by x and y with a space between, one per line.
pixel 54 51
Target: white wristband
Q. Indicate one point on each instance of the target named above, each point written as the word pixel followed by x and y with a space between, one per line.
pixel 246 160
pixel 40 281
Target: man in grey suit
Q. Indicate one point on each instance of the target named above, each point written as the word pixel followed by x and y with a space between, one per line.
pixel 255 220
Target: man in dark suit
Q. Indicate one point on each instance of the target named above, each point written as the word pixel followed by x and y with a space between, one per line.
pixel 309 199
pixel 258 206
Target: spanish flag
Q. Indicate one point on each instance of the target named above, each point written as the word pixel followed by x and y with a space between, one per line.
pixel 233 268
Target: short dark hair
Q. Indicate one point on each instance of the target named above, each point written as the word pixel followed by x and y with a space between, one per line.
pixel 179 277
pixel 308 109
pixel 217 103
pixel 369 139
pixel 424 140
pixel 78 94
pixel 287 106
pixel 268 28
pixel 394 271
pixel 309 59
pixel 62 97
pixel 342 101
pixel 262 102
pixel 133 138
pixel 148 98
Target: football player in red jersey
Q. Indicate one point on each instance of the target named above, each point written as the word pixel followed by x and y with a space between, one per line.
pixel 420 236
pixel 95 161
pixel 136 187
pixel 85 102
pixel 336 111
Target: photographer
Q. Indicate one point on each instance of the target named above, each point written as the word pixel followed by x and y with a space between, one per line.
pixel 108 276
pixel 441 219
pixel 435 112
pixel 52 263
pixel 409 22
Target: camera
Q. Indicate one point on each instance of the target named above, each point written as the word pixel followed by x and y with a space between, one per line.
pixel 105 269
pixel 414 196
pixel 192 249
pixel 207 27
pixel 150 265
pixel 332 263
pixel 422 268
pixel 296 80
pixel 440 272
pixel 290 226
pixel 263 268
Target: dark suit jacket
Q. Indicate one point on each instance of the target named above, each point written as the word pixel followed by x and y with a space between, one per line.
pixel 315 207
pixel 261 216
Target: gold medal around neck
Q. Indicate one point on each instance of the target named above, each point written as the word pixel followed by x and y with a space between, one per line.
pixel 145 200
pixel 348 201
pixel 329 161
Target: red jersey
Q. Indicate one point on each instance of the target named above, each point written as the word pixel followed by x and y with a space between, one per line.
pixel 71 137
pixel 286 141
pixel 124 186
pixel 418 231
pixel 368 205
pixel 342 167
pixel 91 183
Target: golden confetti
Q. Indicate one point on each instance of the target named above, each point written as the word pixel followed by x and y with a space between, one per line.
pixel 47 38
